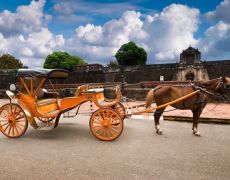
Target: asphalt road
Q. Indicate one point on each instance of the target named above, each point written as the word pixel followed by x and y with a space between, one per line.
pixel 72 152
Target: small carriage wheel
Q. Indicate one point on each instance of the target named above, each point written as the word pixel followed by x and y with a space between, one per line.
pixel 13 120
pixel 106 124
pixel 119 107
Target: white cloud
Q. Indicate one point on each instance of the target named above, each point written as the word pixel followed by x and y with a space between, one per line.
pixel 221 13
pixel 163 35
pixel 26 19
pixel 216 41
pixel 24 34
pixel 100 43
pixel 70 7
pixel 171 31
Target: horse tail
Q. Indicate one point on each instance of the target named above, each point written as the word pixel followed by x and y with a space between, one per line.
pixel 149 98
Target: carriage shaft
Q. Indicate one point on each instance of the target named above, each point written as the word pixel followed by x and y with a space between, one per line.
pixel 153 109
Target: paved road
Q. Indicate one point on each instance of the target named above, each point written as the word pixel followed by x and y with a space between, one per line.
pixel 72 152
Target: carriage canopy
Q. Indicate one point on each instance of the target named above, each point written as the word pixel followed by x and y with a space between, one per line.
pixel 43 73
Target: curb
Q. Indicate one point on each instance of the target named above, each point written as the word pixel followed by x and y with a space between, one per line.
pixel 202 119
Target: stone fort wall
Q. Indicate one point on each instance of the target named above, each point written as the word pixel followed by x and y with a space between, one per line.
pixel 171 72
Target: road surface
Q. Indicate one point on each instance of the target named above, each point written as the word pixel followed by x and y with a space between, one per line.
pixel 72 152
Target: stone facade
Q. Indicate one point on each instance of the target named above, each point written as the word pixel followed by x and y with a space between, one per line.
pixel 190 67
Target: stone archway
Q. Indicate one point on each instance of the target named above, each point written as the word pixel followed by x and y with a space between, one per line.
pixel 190 76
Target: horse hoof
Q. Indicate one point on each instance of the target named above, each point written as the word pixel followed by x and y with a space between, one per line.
pixel 197 134
pixel 159 132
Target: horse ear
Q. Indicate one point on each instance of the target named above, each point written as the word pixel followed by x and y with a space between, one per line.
pixel 226 80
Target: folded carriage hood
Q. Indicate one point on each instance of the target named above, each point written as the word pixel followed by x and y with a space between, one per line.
pixel 46 73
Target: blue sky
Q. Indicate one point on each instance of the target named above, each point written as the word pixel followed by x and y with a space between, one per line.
pixel 94 30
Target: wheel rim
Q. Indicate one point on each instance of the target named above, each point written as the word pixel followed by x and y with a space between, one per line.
pixel 13 121
pixel 120 109
pixel 106 124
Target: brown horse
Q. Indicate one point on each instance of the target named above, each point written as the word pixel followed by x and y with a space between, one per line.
pixel 163 94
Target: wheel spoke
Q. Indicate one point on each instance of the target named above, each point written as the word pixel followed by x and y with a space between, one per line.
pixel 13 130
pixel 16 129
pixel 6 127
pixel 9 129
pixel 112 127
pixel 13 120
pixel 96 122
pixel 4 113
pixel 100 129
pixel 21 120
pixel 4 120
pixel 110 115
pixel 19 117
pixel 104 116
pixel 3 117
pixel 5 124
pixel 109 130
pixel 20 124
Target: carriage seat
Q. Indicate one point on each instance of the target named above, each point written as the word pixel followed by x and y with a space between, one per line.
pixel 44 94
pixel 105 103
pixel 48 106
pixel 43 102
pixel 95 90
pixel 81 89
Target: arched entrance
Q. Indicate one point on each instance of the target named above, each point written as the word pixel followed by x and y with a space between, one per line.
pixel 190 76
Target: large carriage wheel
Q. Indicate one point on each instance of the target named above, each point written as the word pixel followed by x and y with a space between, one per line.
pixel 120 109
pixel 106 124
pixel 13 121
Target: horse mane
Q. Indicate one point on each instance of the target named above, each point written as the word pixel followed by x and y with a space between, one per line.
pixel 206 83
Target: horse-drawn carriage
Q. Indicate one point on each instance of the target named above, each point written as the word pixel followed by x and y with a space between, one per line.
pixel 106 123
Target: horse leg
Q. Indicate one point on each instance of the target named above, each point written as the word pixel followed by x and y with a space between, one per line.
pixel 196 116
pixel 157 116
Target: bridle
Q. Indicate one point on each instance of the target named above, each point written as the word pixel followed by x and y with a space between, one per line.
pixel 226 89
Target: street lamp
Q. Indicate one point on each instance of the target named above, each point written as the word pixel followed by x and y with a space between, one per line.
pixel 121 51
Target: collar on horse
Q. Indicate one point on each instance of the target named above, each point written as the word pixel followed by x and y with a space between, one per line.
pixel 195 87
pixel 226 88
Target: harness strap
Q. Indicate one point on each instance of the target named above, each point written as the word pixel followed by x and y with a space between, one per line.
pixel 195 87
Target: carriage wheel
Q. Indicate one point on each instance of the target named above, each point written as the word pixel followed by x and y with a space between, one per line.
pixel 13 121
pixel 120 109
pixel 106 124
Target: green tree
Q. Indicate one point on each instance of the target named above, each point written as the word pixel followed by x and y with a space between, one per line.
pixel 130 54
pixel 113 65
pixel 8 61
pixel 62 60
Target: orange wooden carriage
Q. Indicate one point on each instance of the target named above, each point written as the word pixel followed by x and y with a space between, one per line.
pixel 106 123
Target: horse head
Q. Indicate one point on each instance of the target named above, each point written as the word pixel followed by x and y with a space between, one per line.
pixel 223 87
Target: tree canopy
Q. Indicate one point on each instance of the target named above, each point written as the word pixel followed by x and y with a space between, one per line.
pixel 130 54
pixel 113 65
pixel 62 60
pixel 8 61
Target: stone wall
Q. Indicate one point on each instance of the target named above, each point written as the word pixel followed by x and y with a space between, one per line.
pixel 171 72
pixel 217 68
